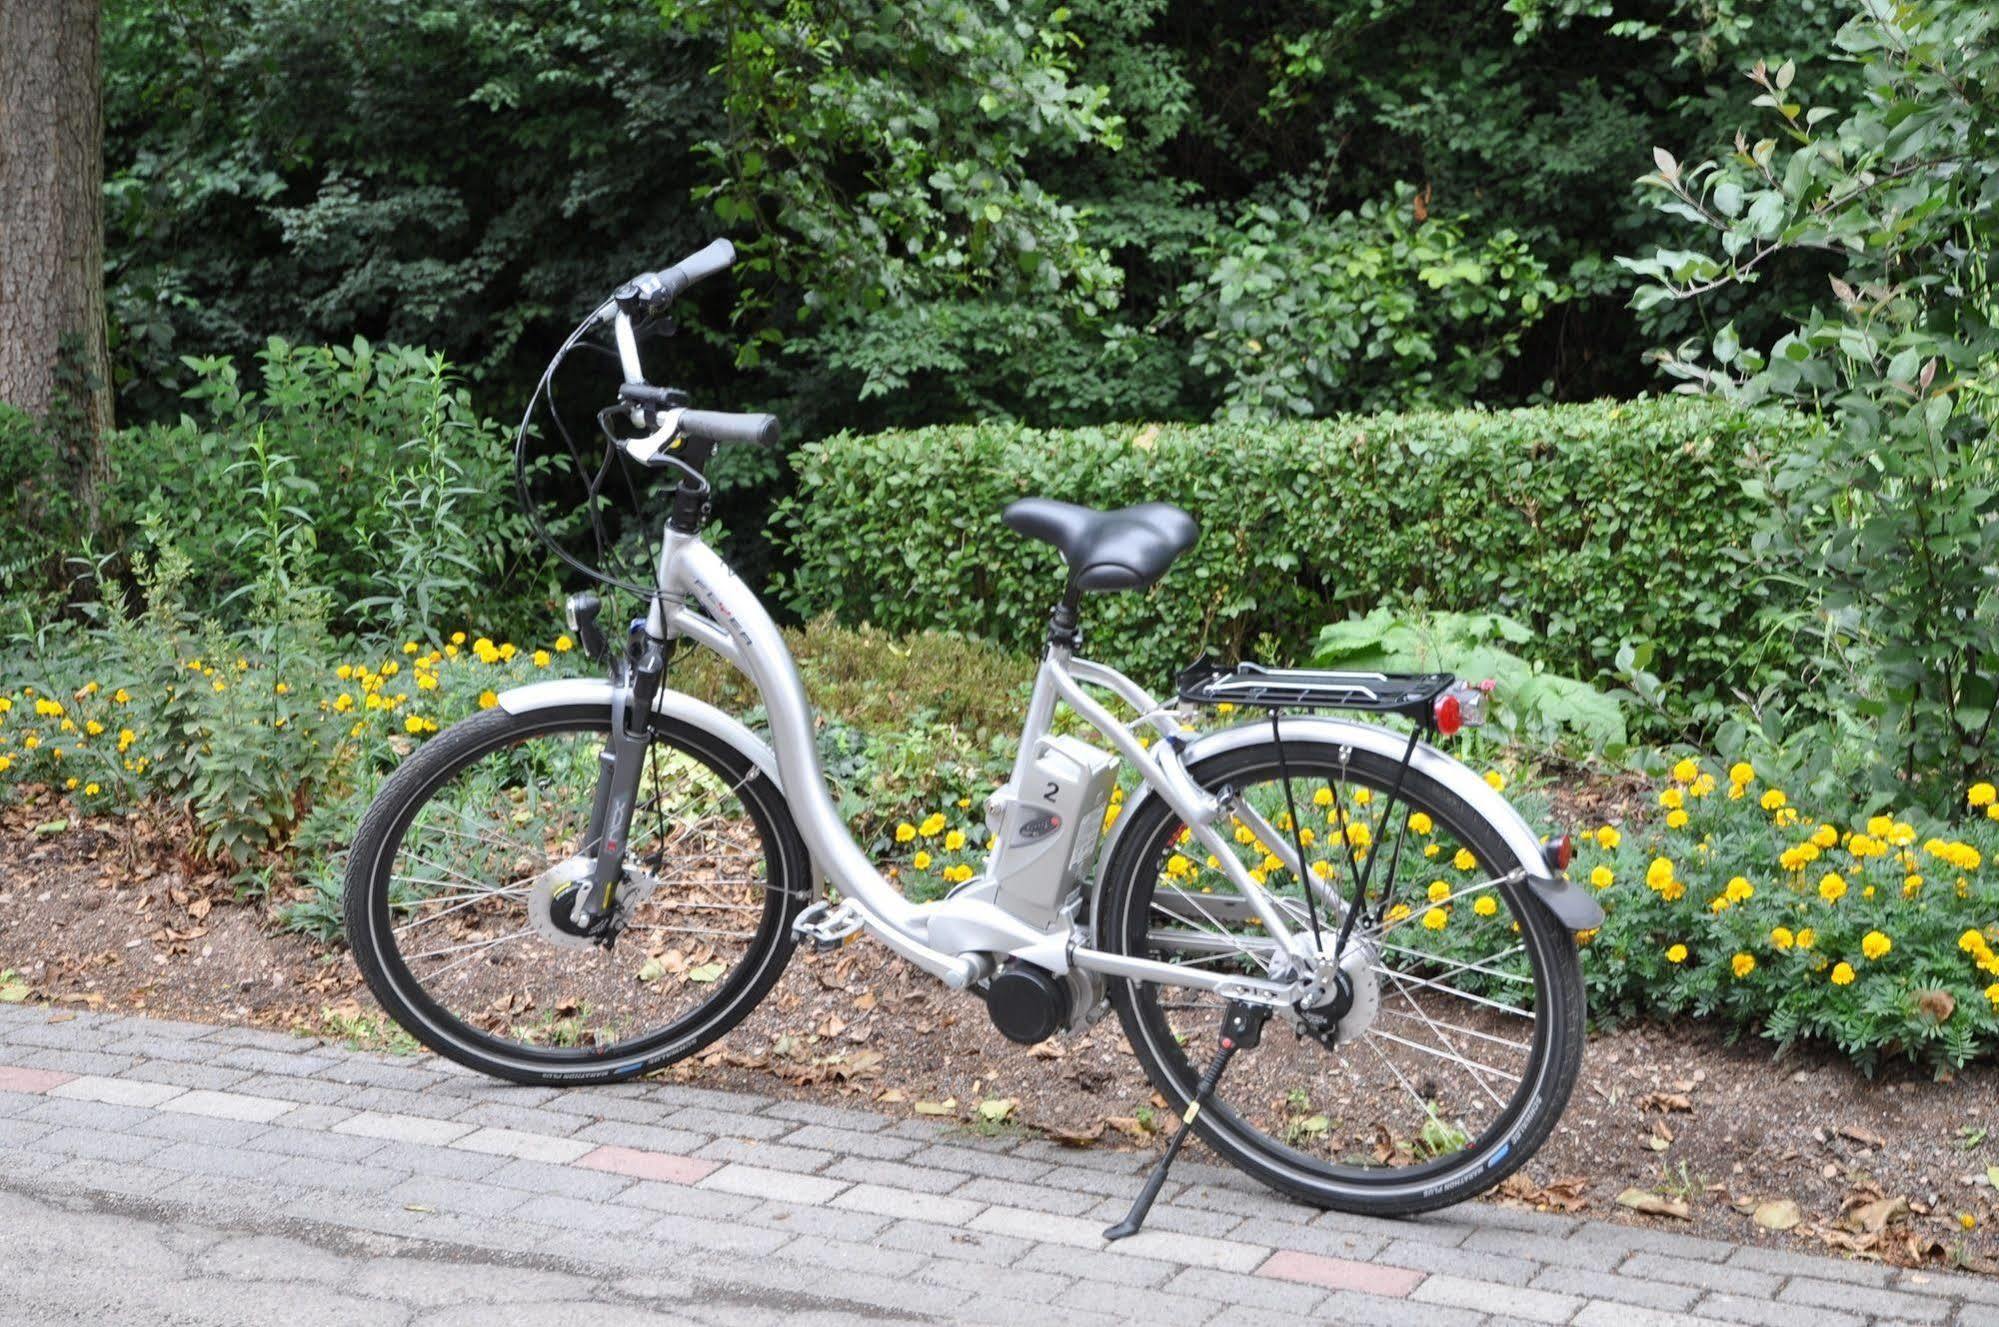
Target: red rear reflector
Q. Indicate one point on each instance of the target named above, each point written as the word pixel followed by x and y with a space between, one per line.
pixel 1450 716
pixel 1559 852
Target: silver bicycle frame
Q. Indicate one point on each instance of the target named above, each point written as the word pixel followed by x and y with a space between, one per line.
pixel 961 939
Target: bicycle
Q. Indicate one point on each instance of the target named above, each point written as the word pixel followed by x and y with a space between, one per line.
pixel 597 877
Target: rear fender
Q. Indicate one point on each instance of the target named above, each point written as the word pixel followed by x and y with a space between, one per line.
pixel 1570 905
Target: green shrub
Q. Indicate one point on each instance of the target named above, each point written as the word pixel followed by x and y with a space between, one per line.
pixel 1800 923
pixel 1594 525
pixel 368 464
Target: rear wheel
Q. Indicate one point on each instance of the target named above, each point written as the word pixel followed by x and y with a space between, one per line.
pixel 1464 1069
pixel 456 918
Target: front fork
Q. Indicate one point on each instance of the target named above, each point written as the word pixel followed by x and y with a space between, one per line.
pixel 620 768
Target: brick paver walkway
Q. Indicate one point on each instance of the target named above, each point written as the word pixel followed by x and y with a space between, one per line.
pixel 368 1188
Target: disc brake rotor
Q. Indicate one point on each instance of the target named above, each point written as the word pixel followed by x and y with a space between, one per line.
pixel 552 903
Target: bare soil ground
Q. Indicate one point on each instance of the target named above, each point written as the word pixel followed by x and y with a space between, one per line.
pixel 1713 1139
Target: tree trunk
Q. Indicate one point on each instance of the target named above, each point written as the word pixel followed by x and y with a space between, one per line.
pixel 53 352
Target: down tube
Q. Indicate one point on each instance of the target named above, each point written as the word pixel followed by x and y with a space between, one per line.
pixel 697 570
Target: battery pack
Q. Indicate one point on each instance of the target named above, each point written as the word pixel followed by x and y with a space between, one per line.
pixel 1048 831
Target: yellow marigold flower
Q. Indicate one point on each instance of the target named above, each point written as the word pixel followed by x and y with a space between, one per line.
pixel 1972 942
pixel 1420 823
pixel 1323 797
pixel 457 638
pixel 1982 794
pixel 1439 891
pixel 1992 812
pixel 6 763
pixel 1740 890
pixel 1874 945
pixel 1271 862
pixel 1719 903
pixel 413 724
pixel 31 741
pixel 1432 849
pixel 563 644
pixel 6 705
pixel 1360 836
pixel 932 826
pixel 1397 913
pixel 1659 873
pixel 954 840
pixel 1825 836
pixel 541 658
pixel 342 703
pixel 410 647
pixel 1244 834
pixel 1676 820
pixel 1832 886
pixel 1842 974
pixel 488 699
pixel 1602 877
pixel 345 672
pixel 1673 798
pixel 1608 838
pixel 282 689
pixel 507 651
pixel 1486 905
pixel 1676 954
pixel 904 832
pixel 1464 860
pixel 1880 826
pixel 1912 886
pixel 1807 937
pixel 1686 770
pixel 1495 780
pixel 70 783
pixel 1741 772
pixel 1742 964
pixel 921 861
pixel 1435 919
pixel 1363 797
pixel 93 727
pixel 1701 787
pixel 1226 707
pixel 1179 867
pixel 1773 800
pixel 1781 937
pixel 1306 837
pixel 1866 845
pixel 426 682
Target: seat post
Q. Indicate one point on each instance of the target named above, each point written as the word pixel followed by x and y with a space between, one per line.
pixel 1064 622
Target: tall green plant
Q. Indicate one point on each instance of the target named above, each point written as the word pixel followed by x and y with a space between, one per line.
pixel 1896 198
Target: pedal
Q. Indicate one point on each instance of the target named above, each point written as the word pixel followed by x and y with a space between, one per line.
pixel 826 926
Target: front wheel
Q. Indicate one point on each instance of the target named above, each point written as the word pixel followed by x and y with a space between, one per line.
pixel 455 915
pixel 1477 1038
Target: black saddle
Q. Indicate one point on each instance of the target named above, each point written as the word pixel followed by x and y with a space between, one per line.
pixel 1126 549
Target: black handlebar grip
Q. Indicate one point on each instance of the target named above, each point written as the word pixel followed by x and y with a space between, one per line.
pixel 696 268
pixel 721 427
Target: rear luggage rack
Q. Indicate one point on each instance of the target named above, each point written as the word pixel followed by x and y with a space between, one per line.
pixel 1412 695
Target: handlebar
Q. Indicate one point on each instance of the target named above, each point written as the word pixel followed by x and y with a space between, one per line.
pixel 649 292
pixel 642 297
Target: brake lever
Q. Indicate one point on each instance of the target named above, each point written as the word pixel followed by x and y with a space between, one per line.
pixel 647 449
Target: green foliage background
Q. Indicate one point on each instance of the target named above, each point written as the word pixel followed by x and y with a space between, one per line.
pixel 1593 525
pixel 1105 210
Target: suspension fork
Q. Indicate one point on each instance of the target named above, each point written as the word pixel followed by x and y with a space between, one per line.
pixel 620 768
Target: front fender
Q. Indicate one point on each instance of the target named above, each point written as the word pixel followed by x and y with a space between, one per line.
pixel 1573 907
pixel 673 704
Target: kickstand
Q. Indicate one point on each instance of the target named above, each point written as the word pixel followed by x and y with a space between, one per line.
pixel 1242 1028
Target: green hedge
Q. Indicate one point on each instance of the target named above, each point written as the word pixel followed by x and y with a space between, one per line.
pixel 1596 524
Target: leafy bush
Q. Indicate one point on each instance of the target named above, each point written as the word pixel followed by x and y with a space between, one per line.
pixel 364 469
pixel 1376 309
pixel 1592 525
pixel 1873 935
pixel 1529 704
pixel 1889 517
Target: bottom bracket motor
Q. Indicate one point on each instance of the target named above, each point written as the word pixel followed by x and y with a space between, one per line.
pixel 1028 1004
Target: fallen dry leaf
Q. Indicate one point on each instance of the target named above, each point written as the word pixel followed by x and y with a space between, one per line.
pixel 1652 1204
pixel 1777 1214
